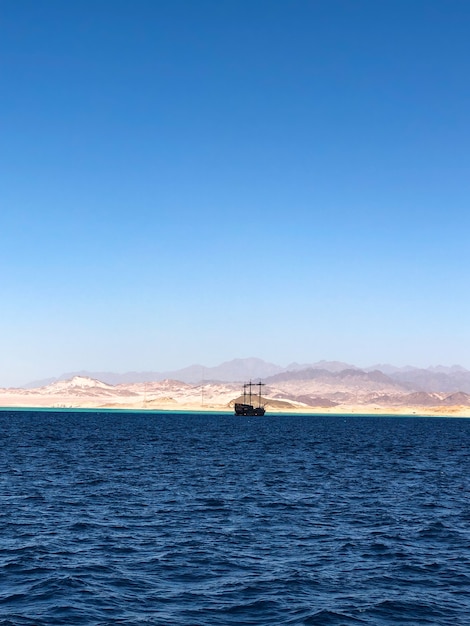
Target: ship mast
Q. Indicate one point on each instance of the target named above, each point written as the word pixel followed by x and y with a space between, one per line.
pixel 260 384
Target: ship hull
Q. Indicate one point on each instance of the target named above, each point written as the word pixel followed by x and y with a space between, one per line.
pixel 248 410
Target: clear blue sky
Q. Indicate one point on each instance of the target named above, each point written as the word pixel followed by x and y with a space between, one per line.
pixel 190 181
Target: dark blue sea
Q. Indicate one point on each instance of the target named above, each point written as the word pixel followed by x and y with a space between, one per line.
pixel 132 518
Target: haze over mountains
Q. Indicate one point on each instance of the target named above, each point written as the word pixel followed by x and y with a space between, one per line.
pixel 438 379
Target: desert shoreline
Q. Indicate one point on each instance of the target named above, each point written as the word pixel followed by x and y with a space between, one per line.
pixel 350 411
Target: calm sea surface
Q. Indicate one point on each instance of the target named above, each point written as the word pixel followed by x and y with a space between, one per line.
pixel 131 518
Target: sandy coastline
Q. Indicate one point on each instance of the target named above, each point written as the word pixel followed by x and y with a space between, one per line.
pixel 10 402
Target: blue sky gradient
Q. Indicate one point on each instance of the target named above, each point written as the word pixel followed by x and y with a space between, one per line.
pixel 188 181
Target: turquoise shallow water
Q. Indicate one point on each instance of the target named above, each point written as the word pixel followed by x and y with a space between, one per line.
pixel 128 518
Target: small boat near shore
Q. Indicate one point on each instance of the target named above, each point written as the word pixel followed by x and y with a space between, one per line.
pixel 247 407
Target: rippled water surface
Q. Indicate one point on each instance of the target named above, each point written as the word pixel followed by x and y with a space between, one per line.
pixel 130 518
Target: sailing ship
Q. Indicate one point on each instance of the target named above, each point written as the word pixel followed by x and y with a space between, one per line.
pixel 246 407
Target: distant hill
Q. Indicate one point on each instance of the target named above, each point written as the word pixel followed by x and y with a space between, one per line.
pixel 330 366
pixel 447 381
pixel 312 373
pixel 237 370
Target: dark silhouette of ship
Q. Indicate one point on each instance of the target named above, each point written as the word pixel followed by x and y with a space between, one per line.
pixel 246 407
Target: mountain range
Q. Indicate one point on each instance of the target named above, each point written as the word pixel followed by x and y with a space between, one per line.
pixel 440 379
pixel 310 389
